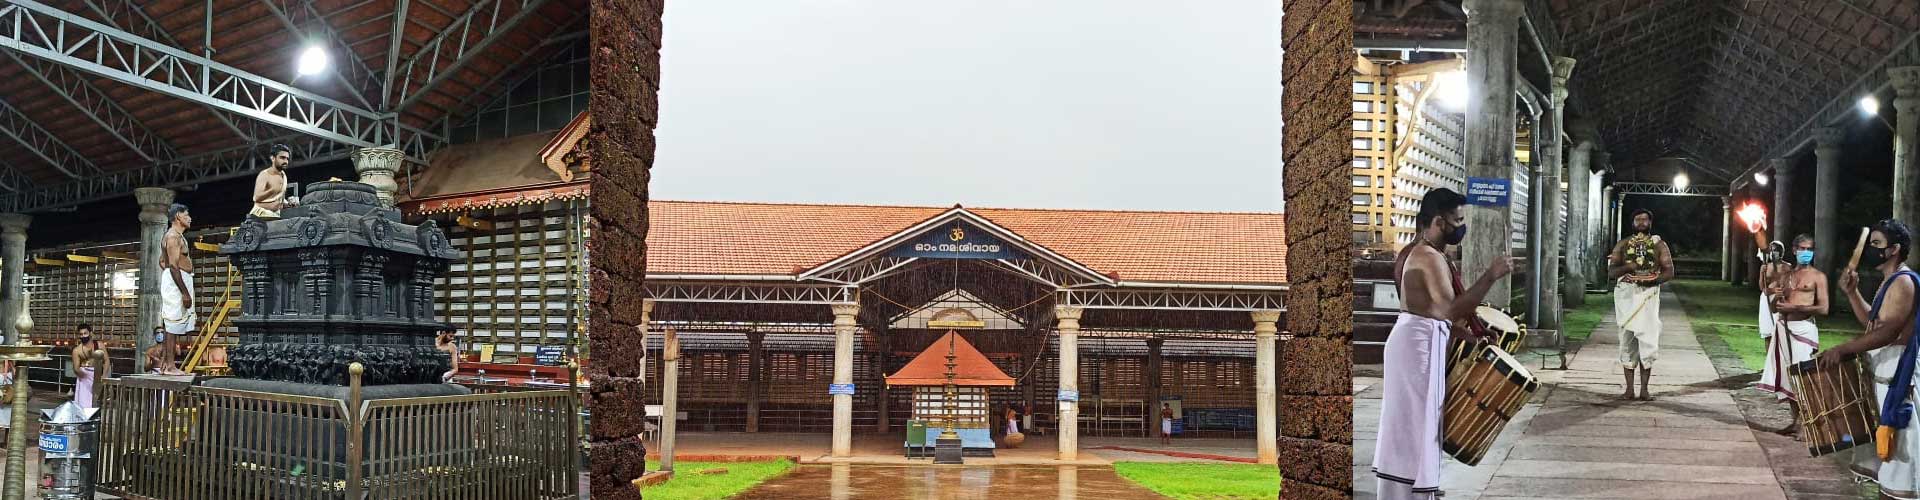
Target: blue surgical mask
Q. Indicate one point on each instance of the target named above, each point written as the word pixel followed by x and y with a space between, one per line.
pixel 1804 257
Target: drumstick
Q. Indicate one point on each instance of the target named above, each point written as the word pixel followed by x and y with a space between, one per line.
pixel 1857 248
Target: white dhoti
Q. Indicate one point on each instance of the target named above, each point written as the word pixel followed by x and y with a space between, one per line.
pixel 1766 316
pixel 1884 362
pixel 1406 457
pixel 1637 309
pixel 263 213
pixel 1899 475
pixel 176 317
pixel 1784 349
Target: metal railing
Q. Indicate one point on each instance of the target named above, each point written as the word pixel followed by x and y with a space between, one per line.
pixel 170 439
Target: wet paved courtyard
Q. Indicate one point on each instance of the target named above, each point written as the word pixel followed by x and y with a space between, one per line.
pixel 874 482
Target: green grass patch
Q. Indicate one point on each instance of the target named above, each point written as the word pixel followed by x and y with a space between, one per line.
pixel 689 484
pixel 1733 313
pixel 1578 323
pixel 1203 481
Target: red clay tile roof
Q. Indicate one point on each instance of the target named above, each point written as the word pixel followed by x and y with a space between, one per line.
pixel 724 238
pixel 969 366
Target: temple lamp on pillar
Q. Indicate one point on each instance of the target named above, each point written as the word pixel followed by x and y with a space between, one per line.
pixel 19 354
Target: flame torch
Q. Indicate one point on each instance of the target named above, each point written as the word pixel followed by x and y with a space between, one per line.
pixel 1756 220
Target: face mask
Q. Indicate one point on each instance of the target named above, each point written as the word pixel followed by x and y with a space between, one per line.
pixel 159 338
pixel 1874 257
pixel 1805 257
pixel 1458 235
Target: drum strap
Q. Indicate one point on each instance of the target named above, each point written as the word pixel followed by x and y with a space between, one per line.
pixel 1895 412
pixel 1479 328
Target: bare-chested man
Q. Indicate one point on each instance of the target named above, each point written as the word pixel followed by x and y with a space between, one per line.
pixel 1407 457
pixel 176 280
pixel 1640 264
pixel 1890 323
pixel 1800 294
pixel 444 342
pixel 270 187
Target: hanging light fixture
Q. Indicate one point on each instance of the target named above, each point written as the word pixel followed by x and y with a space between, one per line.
pixel 313 60
pixel 1680 181
pixel 1870 105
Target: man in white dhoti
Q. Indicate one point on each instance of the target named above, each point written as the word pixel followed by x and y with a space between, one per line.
pixel 1406 460
pixel 1800 296
pixel 1640 264
pixel 176 281
pixel 1890 325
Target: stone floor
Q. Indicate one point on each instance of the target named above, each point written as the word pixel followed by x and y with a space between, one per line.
pixel 1575 440
pixel 860 482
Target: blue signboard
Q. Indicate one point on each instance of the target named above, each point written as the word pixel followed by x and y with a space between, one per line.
pixel 53 443
pixel 1069 395
pixel 550 355
pixel 957 241
pixel 837 389
pixel 1489 192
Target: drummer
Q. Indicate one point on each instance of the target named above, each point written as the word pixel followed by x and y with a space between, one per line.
pixel 1639 263
pixel 1801 295
pixel 1889 327
pixel 1406 459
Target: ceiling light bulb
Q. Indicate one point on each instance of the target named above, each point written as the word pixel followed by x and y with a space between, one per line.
pixel 1680 181
pixel 1870 105
pixel 313 61
pixel 1760 178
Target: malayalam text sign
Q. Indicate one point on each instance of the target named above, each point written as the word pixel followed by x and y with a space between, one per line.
pixel 1488 191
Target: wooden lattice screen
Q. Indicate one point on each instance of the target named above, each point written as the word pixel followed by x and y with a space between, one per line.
pixel 520 280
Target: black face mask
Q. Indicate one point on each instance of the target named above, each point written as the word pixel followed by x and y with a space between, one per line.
pixel 1458 235
pixel 1874 256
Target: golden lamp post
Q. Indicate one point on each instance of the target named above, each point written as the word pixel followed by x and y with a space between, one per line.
pixel 19 354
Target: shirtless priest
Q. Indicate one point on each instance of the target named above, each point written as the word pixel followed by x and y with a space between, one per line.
pixel 1801 295
pixel 1407 457
pixel 270 187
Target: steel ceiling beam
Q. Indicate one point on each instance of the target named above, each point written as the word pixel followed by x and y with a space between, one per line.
pixel 211 166
pixel 12 180
pixel 24 129
pixel 483 19
pixel 1741 16
pixel 98 107
pixel 1884 22
pixel 393 53
pixel 1834 32
pixel 1841 106
pixel 47 32
pixel 130 16
pixel 467 101
pixel 354 75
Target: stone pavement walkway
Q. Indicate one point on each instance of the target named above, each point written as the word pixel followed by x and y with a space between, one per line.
pixel 1575 440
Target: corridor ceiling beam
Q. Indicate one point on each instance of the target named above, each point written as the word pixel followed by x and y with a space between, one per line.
pixel 46 32
pixel 482 19
pixel 354 74
pixel 211 166
pixel 90 101
pixel 43 144
pixel 1840 108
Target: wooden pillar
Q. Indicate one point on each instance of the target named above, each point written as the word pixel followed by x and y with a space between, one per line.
pixel 1154 386
pixel 1026 391
pixel 756 376
pixel 877 360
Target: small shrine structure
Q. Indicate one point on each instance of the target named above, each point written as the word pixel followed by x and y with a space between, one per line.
pixel 972 374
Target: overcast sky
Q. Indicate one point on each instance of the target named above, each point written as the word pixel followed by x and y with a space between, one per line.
pixel 1102 104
